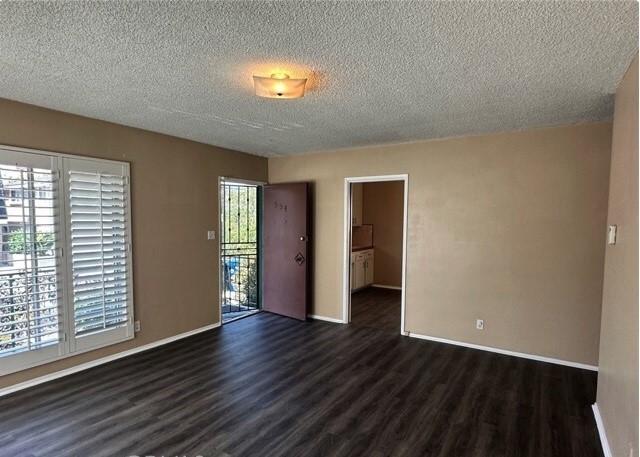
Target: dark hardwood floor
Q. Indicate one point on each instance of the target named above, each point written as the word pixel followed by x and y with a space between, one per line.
pixel 376 308
pixel 272 386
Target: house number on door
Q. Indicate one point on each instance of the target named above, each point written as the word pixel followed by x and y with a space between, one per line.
pixel 280 206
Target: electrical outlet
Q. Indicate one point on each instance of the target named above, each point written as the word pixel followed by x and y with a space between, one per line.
pixel 612 234
pixel 136 326
pixel 480 324
pixel 211 234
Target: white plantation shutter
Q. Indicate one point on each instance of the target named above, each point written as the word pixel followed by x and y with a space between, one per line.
pixel 99 251
pixel 65 256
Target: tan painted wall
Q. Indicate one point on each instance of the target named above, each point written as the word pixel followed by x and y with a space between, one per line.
pixel 174 203
pixel 356 203
pixel 618 376
pixel 383 207
pixel 505 227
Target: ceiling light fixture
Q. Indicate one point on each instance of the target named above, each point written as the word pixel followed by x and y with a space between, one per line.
pixel 279 85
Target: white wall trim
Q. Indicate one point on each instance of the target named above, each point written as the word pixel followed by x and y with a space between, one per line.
pixel 94 363
pixel 61 154
pixel 249 182
pixel 325 318
pixel 539 358
pixel 383 286
pixel 346 263
pixel 603 436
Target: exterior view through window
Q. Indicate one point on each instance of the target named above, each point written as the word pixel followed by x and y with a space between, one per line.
pixel 239 209
pixel 29 312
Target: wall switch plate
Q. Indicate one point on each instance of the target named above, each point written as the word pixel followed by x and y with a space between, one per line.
pixel 136 326
pixel 211 234
pixel 612 234
pixel 480 324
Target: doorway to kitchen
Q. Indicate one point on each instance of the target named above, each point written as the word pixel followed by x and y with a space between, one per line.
pixel 375 234
pixel 240 259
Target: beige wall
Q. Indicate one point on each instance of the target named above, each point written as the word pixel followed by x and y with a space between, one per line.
pixel 618 376
pixel 356 203
pixel 174 203
pixel 506 227
pixel 383 207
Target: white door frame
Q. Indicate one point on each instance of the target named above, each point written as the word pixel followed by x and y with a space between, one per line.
pixel 228 179
pixel 346 264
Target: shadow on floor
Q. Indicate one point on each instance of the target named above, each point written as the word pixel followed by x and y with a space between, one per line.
pixel 376 308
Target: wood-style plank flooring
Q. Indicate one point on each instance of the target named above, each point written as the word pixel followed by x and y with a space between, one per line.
pixel 271 386
pixel 376 308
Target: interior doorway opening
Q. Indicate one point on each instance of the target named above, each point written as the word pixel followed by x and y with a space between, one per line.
pixel 240 246
pixel 375 252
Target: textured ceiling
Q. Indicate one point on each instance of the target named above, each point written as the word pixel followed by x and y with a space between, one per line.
pixel 380 72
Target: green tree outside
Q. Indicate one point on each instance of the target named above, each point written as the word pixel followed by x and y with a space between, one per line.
pixel 19 243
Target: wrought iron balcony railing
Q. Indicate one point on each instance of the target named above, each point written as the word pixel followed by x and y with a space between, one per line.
pixel 28 310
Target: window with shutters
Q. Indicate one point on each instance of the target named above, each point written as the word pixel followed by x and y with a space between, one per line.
pixel 65 256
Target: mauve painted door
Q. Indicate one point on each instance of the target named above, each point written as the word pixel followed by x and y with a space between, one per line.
pixel 286 249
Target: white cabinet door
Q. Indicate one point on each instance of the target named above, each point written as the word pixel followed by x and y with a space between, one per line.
pixel 368 268
pixel 359 281
pixel 353 272
pixel 361 269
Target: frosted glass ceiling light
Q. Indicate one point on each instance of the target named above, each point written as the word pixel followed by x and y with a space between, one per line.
pixel 279 85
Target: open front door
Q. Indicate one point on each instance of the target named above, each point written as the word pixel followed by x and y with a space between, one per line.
pixel 286 249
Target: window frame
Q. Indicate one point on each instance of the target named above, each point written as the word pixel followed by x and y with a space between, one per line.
pixel 69 345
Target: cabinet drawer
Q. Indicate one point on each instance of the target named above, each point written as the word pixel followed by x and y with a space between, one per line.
pixel 362 255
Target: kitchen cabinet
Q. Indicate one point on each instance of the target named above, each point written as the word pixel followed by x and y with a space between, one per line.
pixel 359 271
pixel 362 264
pixel 368 268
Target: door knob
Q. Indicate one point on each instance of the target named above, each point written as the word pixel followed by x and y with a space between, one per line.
pixel 303 238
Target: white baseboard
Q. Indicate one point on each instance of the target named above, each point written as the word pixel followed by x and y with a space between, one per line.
pixel 382 286
pixel 603 436
pixel 324 318
pixel 101 361
pixel 539 358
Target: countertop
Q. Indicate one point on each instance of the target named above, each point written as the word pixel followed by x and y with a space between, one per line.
pixel 360 248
